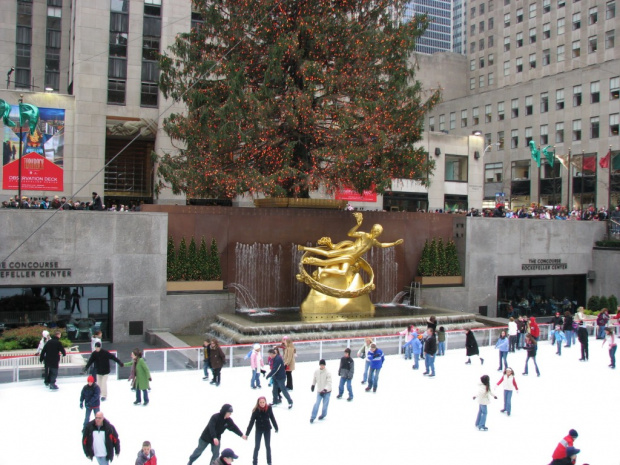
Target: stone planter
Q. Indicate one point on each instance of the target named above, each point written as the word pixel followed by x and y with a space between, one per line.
pixel 439 280
pixel 194 286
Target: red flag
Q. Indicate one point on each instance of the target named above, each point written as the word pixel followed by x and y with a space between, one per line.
pixel 604 163
pixel 589 163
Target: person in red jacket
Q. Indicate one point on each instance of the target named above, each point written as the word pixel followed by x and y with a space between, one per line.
pixel 534 328
pixel 560 450
pixel 147 455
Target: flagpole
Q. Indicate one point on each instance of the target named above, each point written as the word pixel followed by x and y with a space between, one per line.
pixel 583 153
pixel 609 184
pixel 570 181
pixel 553 172
pixel 19 174
pixel 539 164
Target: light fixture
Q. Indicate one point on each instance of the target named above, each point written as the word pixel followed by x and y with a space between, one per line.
pixel 8 77
pixel 437 151
pixel 476 154
pixel 49 89
pixel 477 132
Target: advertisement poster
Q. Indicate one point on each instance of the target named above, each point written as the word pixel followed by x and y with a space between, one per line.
pixel 42 152
pixel 352 195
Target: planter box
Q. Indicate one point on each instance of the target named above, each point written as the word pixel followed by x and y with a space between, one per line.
pixel 276 202
pixel 300 203
pixel 194 286
pixel 439 280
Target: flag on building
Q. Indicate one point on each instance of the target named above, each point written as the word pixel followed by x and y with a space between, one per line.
pixel 604 163
pixel 5 111
pixel 589 163
pixel 563 159
pixel 535 152
pixel 549 154
pixel 28 114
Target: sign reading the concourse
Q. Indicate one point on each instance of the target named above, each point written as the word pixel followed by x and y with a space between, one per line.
pixel 544 264
pixel 33 269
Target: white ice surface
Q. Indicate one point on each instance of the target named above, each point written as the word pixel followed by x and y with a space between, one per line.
pixel 411 419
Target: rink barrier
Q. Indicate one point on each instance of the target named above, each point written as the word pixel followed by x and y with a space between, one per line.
pixel 27 367
pixel 15 368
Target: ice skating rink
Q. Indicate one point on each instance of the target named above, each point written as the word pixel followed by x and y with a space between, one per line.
pixel 411 419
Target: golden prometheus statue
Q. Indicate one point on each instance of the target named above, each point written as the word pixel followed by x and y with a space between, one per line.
pixel 337 286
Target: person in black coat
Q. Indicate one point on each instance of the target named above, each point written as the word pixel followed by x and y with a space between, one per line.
pixel 262 415
pixel 567 327
pixel 430 349
pixel 346 370
pixel 100 358
pixel 212 433
pixel 50 356
pixel 90 397
pixel 471 347
pixel 101 426
pixel 582 335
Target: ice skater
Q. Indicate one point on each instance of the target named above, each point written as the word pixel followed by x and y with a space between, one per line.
pixel 510 384
pixel 562 449
pixel 560 338
pixel 143 376
pixel 362 354
pixel 278 374
pixel 90 397
pixel 430 349
pixel 417 350
pixel 531 346
pixel 146 456
pixel 376 359
pixel 409 334
pixel 484 399
pixel 583 336
pixel 471 347
pixel 322 382
pixel 441 341
pixel 502 345
pixel 216 360
pixel 206 366
pixel 256 362
pixel 609 335
pixel 345 371
pixel 263 418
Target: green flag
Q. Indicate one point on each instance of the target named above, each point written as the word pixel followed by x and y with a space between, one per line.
pixel 5 111
pixel 550 155
pixel 29 113
pixel 535 152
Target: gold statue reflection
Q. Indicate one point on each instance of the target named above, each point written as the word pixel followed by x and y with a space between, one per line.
pixel 337 286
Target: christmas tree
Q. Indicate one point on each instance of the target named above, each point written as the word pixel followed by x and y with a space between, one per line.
pixel 284 96
pixel 215 269
pixel 193 265
pixel 181 261
pixel 452 260
pixel 171 261
pixel 203 260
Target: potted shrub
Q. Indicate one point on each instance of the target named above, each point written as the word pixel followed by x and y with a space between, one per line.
pixel 193 269
pixel 439 264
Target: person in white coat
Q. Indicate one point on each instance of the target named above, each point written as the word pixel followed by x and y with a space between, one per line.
pixel 322 382
pixel 484 399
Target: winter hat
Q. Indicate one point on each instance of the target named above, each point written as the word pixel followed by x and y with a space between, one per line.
pixel 97 344
pixel 45 334
pixel 228 408
pixel 256 346
pixel 90 379
pixel 573 433
pixel 322 362
pixel 229 454
pixel 570 451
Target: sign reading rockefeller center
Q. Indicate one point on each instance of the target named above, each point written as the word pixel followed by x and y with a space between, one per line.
pixel 32 269
pixel 544 264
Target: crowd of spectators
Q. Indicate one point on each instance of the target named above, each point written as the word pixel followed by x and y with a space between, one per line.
pixel 61 203
pixel 590 213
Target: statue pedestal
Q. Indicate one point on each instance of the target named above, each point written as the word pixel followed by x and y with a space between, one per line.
pixel 317 304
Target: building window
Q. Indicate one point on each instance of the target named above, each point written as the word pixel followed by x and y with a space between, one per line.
pixel 500 111
pixel 546 31
pixel 514 108
pixel 559 99
pixel 595 92
pixel 559 133
pixel 148 94
pixel 593 15
pixel 452 120
pixel 493 172
pixel 532 60
pixel 118 44
pixel 431 123
pixel 546 57
pixel 491 79
pixel 482 8
pixel 481 44
pixel 472 47
pixel 561 4
pixel 576 21
pixel 592 44
pixel 506 68
pixel 490 59
pixel 488 113
pixel 528 136
pixel 614 121
pixel 519 15
pixel 463 118
pixel 506 44
pixel 472 13
pixel 116 91
pixel 514 139
pixel 546 6
pixel 560 26
pixel 491 23
pixel 481 26
pixel 475 115
pixel 472 30
pixel 472 65
pixel 614 88
pixel 117 68
pixel 610 39
pixel 610 10
pixel 533 35
pixel 472 83
pixel 544 102
pixel 532 10
pixel 197 20
pixel 560 53
pixel 481 81
pixel 577 96
pixel 500 140
pixel 456 168
pixel 507 20
pixel 576 49
pixel 544 134
pixel 576 130
pixel 491 41
pixel 519 64
pixel 487 140
pixel 442 122
pixel 529 105
pixel 519 39
pixel 491 5
pixel 594 127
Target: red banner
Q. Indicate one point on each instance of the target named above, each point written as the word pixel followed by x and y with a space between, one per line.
pixel 352 195
pixel 38 174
